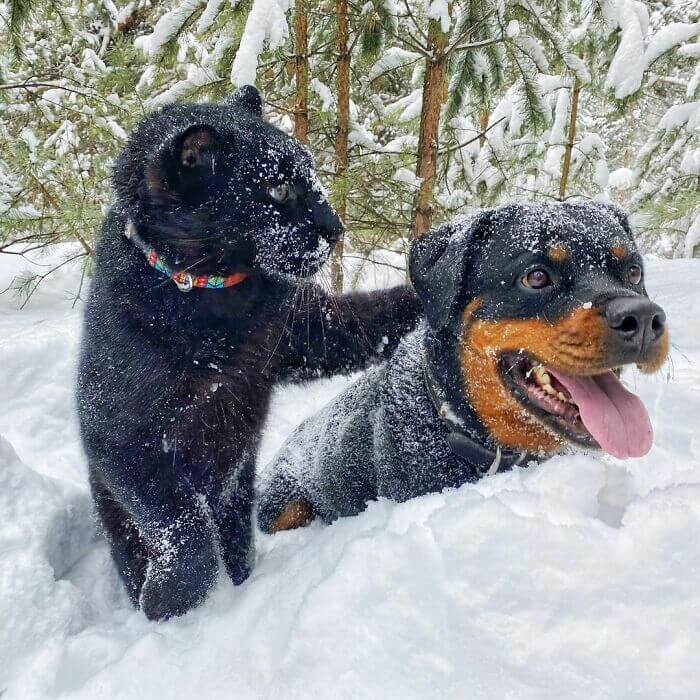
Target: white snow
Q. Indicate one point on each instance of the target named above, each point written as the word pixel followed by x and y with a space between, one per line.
pixel 627 67
pixel 690 50
pixel 408 106
pixel 623 179
pixel 392 58
pixel 557 136
pixel 678 115
pixel 211 12
pixel 407 177
pixel 632 57
pixel 667 37
pixel 167 27
pixel 324 93
pixel 578 67
pixel 439 10
pixel 577 578
pixel 266 25
pixel 690 164
pixel 533 50
pixel 115 129
pixel 692 238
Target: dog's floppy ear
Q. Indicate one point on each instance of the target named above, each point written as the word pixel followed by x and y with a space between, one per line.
pixel 614 211
pixel 437 262
pixel 246 97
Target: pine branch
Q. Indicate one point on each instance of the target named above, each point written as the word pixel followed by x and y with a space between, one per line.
pixel 19 13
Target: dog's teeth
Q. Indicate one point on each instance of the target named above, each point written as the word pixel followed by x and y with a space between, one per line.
pixel 549 389
pixel 561 397
pixel 541 375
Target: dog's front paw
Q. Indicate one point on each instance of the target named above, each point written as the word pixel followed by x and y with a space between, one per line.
pixel 173 590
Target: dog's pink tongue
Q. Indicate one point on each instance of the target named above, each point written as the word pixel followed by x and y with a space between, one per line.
pixel 615 417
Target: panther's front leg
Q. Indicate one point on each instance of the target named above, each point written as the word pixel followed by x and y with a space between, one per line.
pixel 332 334
pixel 231 504
pixel 173 527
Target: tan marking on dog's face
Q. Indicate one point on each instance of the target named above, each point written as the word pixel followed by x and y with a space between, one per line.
pixel 574 344
pixel 469 311
pixel 295 514
pixel 620 251
pixel 558 254
pixel 655 363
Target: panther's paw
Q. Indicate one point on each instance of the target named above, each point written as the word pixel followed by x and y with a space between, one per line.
pixel 182 586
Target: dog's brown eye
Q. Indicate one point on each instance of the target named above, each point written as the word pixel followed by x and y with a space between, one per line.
pixel 279 192
pixel 537 279
pixel 634 274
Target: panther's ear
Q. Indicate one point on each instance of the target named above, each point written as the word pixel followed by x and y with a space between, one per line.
pixel 184 159
pixel 246 97
pixel 437 262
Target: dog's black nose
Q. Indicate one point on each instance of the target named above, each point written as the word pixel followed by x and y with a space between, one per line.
pixel 636 321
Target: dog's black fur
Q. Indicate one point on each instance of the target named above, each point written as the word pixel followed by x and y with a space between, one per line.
pixel 173 387
pixel 413 425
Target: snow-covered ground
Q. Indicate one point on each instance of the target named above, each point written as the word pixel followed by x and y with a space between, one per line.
pixel 578 578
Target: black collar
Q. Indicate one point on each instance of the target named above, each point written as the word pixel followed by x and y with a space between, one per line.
pixel 485 460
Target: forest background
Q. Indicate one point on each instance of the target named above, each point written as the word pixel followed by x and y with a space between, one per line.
pixel 415 110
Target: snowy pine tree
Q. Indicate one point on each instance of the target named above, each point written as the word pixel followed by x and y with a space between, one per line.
pixel 431 109
pixel 663 182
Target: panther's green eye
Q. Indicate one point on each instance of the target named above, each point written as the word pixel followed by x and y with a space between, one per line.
pixel 279 193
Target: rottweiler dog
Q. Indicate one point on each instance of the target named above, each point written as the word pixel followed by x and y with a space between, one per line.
pixel 531 312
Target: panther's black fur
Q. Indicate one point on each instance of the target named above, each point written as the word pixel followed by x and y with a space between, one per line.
pixel 173 387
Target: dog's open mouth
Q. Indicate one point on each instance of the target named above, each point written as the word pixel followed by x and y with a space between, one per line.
pixel 590 410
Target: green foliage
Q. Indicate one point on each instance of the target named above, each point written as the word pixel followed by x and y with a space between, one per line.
pixel 375 23
pixel 19 11
pixel 83 80
pixel 673 206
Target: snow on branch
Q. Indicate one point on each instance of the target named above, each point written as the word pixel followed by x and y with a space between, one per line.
pixel 198 75
pixel 667 38
pixel 393 58
pixel 439 10
pixel 679 115
pixel 627 67
pixel 167 27
pixel 266 23
pixel 211 12
pixel 632 57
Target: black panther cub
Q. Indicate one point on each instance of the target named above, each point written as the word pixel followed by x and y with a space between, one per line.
pixel 173 387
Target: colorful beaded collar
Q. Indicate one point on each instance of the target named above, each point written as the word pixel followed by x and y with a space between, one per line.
pixel 184 281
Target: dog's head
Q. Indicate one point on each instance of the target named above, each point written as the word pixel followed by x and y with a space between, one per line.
pixel 539 308
pixel 222 190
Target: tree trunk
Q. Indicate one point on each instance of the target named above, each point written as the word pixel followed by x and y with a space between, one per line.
pixel 434 94
pixel 483 125
pixel 301 107
pixel 571 134
pixel 341 135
